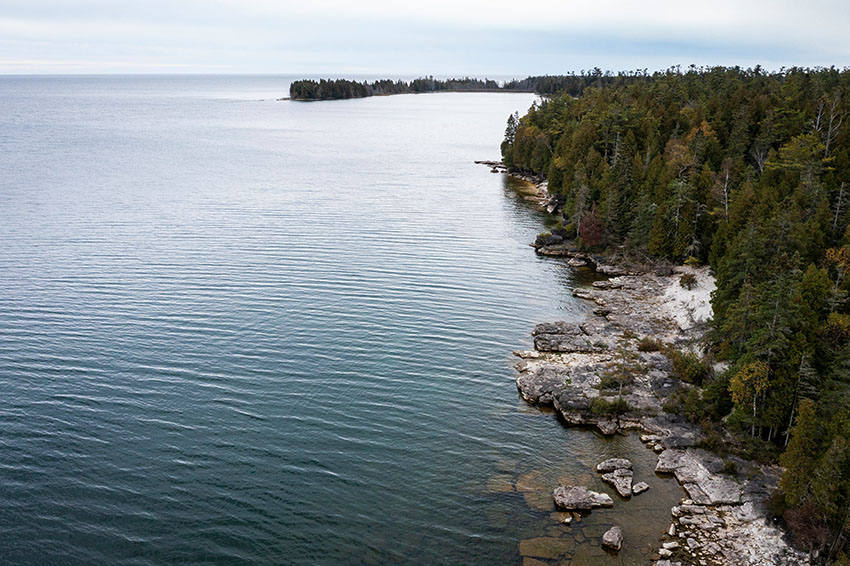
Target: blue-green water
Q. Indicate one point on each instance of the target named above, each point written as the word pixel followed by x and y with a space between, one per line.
pixel 240 330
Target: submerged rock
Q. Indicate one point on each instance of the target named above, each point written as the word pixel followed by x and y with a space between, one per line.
pixel 613 538
pixel 580 498
pixel 545 547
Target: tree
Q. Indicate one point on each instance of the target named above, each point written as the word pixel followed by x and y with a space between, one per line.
pixel 800 456
pixel 747 386
pixel 590 229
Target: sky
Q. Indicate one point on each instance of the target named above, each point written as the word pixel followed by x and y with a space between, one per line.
pixel 403 38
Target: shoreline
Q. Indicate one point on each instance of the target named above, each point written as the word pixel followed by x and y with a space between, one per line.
pixel 724 520
pixel 448 91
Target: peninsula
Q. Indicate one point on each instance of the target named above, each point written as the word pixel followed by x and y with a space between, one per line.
pixel 337 89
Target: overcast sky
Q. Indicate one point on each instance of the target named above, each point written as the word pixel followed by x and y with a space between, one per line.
pixel 398 37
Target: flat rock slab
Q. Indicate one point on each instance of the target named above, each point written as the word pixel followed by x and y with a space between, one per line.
pixel 639 488
pixel 702 486
pixel 580 498
pixel 566 343
pixel 621 479
pixel 612 464
pixel 557 327
pixel 563 337
pixel 613 538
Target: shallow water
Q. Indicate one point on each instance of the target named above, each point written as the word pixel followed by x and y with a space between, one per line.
pixel 234 329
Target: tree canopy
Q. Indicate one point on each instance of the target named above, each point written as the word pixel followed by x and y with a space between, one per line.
pixel 748 172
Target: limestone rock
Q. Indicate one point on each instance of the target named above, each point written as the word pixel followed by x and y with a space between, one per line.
pixel 607 427
pixel 613 538
pixel 702 486
pixel 580 498
pixel 542 383
pixel 558 327
pixel 640 487
pixel 564 336
pixel 621 479
pixel 612 464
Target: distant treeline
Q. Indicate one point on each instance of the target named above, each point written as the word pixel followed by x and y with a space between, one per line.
pixel 574 85
pixel 342 88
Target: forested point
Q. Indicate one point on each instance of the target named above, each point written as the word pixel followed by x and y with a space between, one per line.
pixel 336 89
pixel 748 172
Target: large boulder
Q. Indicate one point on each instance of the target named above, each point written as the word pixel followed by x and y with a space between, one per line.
pixel 613 538
pixel 577 498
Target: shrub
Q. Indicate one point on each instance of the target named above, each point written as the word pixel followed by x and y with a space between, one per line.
pixel 548 239
pixel 730 468
pixel 613 382
pixel 712 438
pixel 807 528
pixel 687 403
pixel 688 367
pixel 716 398
pixel 756 449
pixel 648 344
pixel 601 406
pixel 622 370
pixel 688 281
pixel 692 261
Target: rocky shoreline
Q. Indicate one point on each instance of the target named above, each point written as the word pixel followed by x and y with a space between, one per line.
pixel 539 195
pixel 572 368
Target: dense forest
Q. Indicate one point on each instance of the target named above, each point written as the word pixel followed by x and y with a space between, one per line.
pixel 748 172
pixel 335 89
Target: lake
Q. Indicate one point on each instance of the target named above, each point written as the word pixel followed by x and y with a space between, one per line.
pixel 241 330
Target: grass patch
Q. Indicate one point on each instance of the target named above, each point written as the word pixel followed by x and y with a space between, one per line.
pixel 648 344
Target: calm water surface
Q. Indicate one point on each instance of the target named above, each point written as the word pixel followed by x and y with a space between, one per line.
pixel 240 330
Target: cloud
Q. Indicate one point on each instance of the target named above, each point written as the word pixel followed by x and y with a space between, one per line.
pixel 439 36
